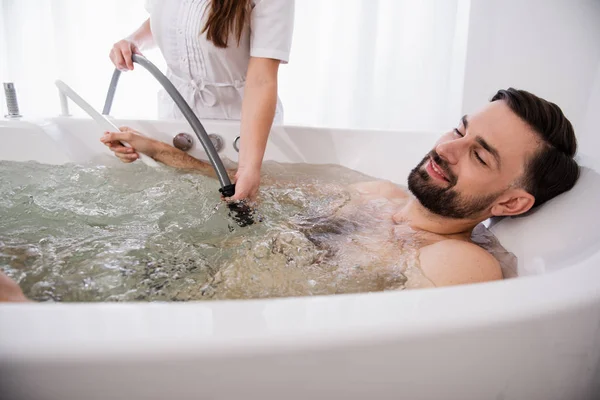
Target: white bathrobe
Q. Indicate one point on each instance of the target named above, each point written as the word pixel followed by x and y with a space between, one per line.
pixel 212 79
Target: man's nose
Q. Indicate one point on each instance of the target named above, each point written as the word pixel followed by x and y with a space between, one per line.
pixel 450 151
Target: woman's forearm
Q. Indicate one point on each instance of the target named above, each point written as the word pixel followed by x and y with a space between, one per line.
pixel 258 111
pixel 142 37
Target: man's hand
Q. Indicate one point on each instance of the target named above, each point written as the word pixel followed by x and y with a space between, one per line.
pixel 137 142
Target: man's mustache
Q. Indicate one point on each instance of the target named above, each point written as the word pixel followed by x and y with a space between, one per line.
pixel 443 164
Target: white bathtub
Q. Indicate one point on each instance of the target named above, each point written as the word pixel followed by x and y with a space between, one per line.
pixel 533 337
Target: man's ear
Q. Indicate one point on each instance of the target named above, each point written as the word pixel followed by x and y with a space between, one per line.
pixel 513 202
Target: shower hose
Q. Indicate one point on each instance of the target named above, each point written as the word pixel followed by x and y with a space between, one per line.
pixel 241 212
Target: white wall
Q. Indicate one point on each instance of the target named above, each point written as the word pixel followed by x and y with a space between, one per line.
pixel 3 61
pixel 589 140
pixel 548 47
pixel 369 64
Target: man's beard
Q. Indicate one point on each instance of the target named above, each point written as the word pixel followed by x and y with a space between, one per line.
pixel 445 201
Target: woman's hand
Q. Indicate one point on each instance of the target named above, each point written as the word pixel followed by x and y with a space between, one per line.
pixel 138 143
pixel 258 111
pixel 121 53
pixel 142 38
pixel 247 182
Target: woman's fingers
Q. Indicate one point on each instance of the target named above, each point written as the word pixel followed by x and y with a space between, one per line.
pixel 117 58
pixel 121 53
pixel 126 51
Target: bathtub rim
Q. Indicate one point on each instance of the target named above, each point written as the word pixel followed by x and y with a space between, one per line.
pixel 470 306
pixel 380 318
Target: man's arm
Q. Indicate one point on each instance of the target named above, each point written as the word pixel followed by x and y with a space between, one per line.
pixel 455 262
pixel 158 150
pixel 10 291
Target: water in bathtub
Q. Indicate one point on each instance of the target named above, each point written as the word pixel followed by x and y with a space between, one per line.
pixel 133 233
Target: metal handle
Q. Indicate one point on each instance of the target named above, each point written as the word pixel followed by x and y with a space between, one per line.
pixel 227 188
pixel 12 105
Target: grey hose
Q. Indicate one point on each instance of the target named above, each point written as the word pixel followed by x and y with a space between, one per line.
pixel 227 188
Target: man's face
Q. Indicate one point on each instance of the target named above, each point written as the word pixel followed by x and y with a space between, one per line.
pixel 474 166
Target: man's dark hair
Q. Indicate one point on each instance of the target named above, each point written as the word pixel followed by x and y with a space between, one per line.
pixel 552 169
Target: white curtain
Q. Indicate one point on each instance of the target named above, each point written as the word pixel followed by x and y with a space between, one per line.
pixel 376 64
pixel 45 40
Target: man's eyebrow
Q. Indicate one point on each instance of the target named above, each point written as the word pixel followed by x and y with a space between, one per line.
pixel 489 148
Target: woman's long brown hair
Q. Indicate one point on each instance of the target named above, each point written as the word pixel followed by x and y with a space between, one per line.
pixel 224 18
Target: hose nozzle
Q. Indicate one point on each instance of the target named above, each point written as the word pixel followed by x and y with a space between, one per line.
pixel 240 211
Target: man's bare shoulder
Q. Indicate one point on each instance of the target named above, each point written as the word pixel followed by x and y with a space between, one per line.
pixel 456 262
pixel 382 189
